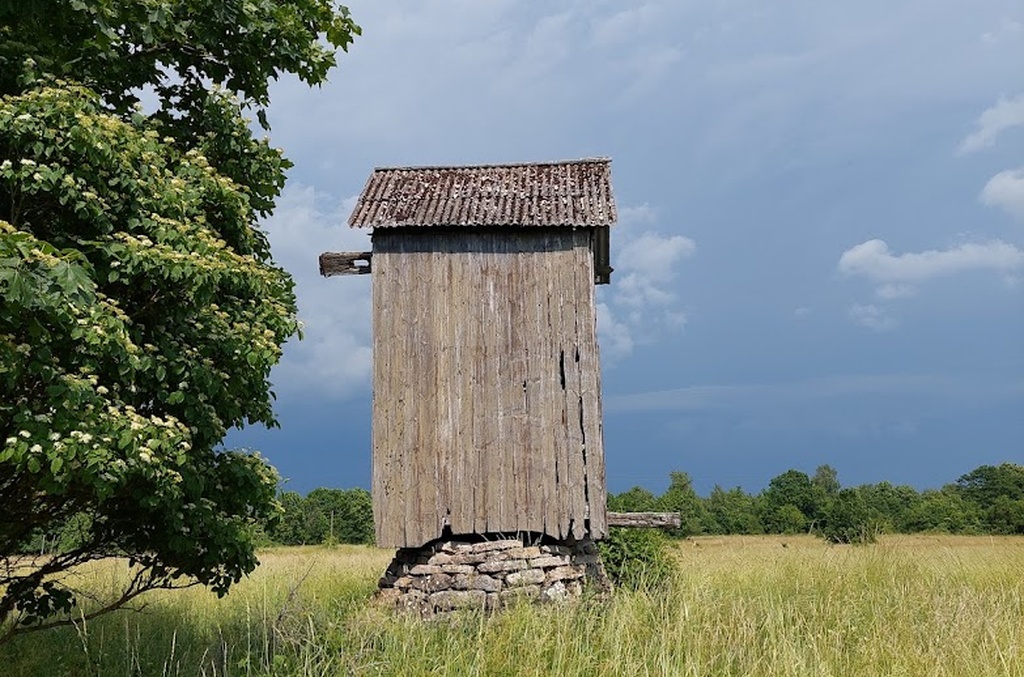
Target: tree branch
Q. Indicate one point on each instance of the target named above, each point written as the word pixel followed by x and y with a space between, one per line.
pixel 137 587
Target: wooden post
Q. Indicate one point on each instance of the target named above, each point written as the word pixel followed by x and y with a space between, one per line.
pixel 345 263
pixel 644 520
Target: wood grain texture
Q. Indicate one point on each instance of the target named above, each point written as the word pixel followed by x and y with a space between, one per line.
pixel 487 408
pixel 345 263
pixel 645 520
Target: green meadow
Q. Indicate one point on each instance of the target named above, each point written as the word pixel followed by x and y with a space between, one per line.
pixel 740 605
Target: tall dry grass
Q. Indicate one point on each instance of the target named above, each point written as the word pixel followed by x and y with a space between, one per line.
pixel 916 606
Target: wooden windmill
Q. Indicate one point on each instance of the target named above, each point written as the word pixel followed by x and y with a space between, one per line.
pixel 486 378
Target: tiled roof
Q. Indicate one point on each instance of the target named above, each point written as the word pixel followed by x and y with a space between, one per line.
pixel 570 193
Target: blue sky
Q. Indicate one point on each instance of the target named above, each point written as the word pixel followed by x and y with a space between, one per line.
pixel 820 252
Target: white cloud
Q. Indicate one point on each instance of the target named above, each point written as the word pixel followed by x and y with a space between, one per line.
pixel 1005 114
pixel 894 273
pixel 631 216
pixel 640 304
pixel 467 81
pixel 615 336
pixel 647 265
pixel 626 25
pixel 335 353
pixel 894 291
pixel 1008 29
pixel 871 316
pixel 1006 191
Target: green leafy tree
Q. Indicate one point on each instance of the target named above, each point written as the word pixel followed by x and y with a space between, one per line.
pixel 355 521
pixel 890 505
pixel 142 311
pixel 826 483
pixel 339 516
pixel 732 511
pixel 944 511
pixel 174 48
pixel 848 519
pixel 1004 516
pixel 785 519
pixel 983 485
pixel 997 493
pixel 290 527
pixel 320 509
pixel 681 497
pixel 636 499
pixel 791 503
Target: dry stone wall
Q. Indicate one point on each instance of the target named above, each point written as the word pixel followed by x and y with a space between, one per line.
pixel 451 574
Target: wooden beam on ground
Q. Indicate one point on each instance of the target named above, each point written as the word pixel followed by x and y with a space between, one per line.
pixel 644 520
pixel 345 263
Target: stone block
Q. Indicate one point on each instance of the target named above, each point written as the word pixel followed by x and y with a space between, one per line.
pixel 457 569
pixel 432 583
pixel 556 592
pixel 524 593
pixel 476 582
pixel 458 599
pixel 527 577
pixel 440 558
pixel 486 583
pixel 414 600
pixel 425 570
pixel 388 596
pixel 524 553
pixel 491 546
pixel 587 559
pixel 550 561
pixel 556 550
pixel 566 573
pixel 502 565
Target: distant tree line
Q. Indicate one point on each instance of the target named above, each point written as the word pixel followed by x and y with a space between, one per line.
pixel 322 517
pixel 987 500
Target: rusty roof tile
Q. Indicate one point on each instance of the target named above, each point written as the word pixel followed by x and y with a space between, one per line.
pixel 568 193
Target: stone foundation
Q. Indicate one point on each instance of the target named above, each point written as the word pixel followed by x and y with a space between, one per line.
pixel 474 572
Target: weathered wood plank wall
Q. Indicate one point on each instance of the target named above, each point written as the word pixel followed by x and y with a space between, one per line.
pixel 487 398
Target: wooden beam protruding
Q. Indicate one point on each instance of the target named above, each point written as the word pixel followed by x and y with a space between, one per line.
pixel 644 520
pixel 345 263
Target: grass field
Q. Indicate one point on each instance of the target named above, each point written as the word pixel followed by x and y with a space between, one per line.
pixel 909 605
